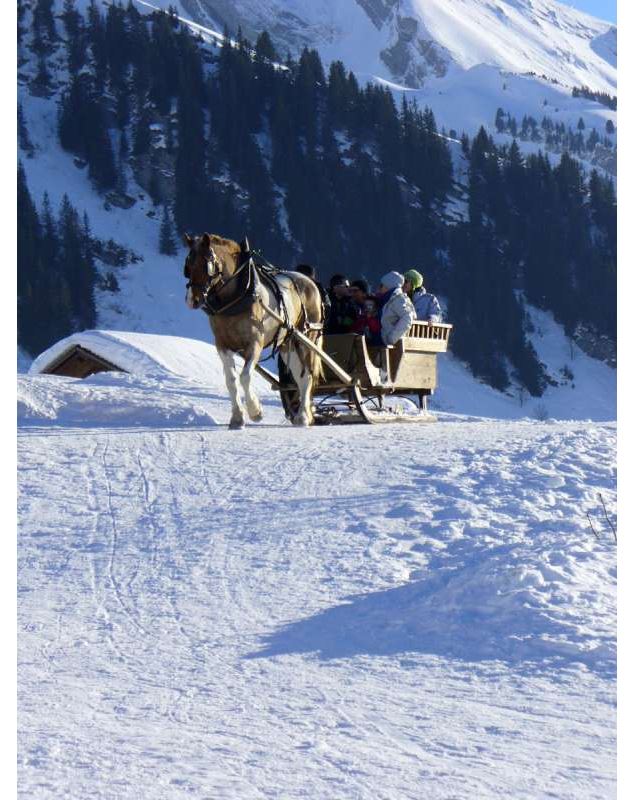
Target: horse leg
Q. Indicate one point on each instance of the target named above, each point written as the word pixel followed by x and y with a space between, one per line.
pixel 254 409
pixel 229 367
pixel 304 382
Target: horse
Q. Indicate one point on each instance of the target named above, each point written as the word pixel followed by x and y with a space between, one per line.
pixel 227 282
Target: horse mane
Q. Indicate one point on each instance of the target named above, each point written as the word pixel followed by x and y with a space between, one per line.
pixel 229 244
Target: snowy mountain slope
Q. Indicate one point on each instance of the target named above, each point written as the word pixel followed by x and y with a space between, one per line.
pixel 343 612
pixel 523 55
pixel 416 40
pixel 152 291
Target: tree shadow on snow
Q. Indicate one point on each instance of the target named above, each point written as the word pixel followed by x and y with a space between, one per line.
pixel 424 617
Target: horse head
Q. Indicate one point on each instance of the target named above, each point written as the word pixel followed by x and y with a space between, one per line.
pixel 210 260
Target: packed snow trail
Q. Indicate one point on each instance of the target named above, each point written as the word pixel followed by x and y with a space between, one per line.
pixel 390 612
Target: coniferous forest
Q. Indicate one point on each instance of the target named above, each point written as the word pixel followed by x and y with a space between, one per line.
pixel 313 167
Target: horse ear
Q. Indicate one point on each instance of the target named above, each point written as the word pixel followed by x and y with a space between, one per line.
pixel 244 245
pixel 187 240
pixel 206 240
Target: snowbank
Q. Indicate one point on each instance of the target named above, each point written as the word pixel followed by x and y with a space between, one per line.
pixel 109 399
pixel 170 381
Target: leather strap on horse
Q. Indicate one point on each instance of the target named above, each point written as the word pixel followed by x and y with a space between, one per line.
pixel 254 269
pixel 246 280
pixel 267 272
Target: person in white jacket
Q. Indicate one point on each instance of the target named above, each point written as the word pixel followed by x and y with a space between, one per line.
pixel 397 312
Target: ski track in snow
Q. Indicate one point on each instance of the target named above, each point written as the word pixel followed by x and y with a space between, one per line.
pixel 389 612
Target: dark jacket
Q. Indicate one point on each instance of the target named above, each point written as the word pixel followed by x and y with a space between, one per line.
pixel 342 315
pixel 326 301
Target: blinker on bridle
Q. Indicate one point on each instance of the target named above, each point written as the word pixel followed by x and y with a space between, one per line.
pixel 214 270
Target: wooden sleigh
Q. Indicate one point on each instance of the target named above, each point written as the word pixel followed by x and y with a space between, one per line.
pixel 364 384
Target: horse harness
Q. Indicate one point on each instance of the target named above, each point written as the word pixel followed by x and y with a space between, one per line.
pixel 253 271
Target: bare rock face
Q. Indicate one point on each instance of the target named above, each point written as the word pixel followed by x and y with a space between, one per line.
pixel 378 11
pixel 606 158
pixel 411 55
pixel 596 345
pixel 288 30
pixel 413 58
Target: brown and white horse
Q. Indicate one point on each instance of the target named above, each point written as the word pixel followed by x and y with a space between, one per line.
pixel 215 268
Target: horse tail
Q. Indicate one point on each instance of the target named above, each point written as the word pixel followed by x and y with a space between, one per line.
pixel 316 366
pixel 312 313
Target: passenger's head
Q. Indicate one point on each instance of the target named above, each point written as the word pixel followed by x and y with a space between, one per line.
pixel 306 269
pixel 359 291
pixel 391 280
pixel 370 307
pixel 412 280
pixel 339 285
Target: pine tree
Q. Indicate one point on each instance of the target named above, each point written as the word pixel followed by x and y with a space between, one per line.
pixel 167 245
pixel 264 50
pixel 43 20
pixel 29 265
pixel 23 134
pixel 338 96
pixel 97 40
pixel 43 77
pixel 50 239
pixel 141 133
pixel 75 44
pixel 44 313
pixel 20 19
pixel 76 256
pixel 83 130
pixel 191 193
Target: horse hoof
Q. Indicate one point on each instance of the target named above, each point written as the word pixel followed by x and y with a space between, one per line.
pixel 257 416
pixel 236 424
pixel 301 421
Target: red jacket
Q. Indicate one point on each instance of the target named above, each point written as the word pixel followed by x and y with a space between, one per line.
pixel 369 326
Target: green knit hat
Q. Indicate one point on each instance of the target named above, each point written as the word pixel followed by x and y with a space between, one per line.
pixel 415 278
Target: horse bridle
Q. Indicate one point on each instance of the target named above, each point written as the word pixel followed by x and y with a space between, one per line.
pixel 214 272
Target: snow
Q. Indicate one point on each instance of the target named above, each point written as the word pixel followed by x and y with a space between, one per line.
pixel 531 35
pixel 469 99
pixel 333 612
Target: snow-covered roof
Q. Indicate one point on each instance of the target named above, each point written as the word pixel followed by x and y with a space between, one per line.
pixel 144 354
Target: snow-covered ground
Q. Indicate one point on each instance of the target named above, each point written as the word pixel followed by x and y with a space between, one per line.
pixel 348 612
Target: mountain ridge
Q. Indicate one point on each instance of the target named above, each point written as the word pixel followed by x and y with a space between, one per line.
pixel 413 42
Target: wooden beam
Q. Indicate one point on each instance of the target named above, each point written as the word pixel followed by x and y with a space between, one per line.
pixel 334 366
